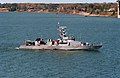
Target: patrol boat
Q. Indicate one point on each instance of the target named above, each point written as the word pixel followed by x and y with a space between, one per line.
pixel 64 42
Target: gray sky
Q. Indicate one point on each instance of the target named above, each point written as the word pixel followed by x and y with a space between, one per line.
pixel 55 1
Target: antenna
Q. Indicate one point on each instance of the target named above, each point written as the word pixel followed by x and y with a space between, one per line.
pixel 58 23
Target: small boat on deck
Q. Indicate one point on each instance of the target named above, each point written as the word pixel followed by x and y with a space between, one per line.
pixel 64 42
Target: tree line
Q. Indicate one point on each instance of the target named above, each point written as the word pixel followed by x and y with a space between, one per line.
pixel 92 8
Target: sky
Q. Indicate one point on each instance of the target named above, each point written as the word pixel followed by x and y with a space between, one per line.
pixel 55 1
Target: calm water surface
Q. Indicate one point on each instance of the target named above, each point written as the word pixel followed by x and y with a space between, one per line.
pixel 16 27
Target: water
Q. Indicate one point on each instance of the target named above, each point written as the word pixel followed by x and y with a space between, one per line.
pixel 16 27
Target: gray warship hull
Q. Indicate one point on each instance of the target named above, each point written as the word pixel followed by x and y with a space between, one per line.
pixel 46 47
pixel 64 42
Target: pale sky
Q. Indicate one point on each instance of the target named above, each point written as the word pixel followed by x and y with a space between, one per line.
pixel 55 1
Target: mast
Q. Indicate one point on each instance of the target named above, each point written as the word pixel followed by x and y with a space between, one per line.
pixel 62 31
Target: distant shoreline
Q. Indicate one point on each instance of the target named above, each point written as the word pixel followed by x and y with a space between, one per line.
pixel 82 13
pixel 85 9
